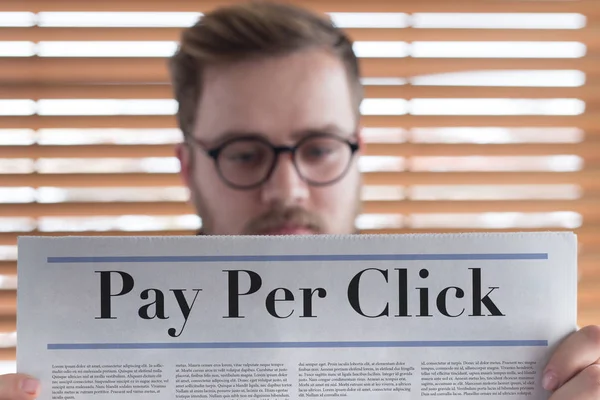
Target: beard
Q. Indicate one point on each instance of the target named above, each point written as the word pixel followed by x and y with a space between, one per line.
pixel 280 216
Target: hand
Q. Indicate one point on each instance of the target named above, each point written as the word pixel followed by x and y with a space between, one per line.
pixel 18 387
pixel 573 372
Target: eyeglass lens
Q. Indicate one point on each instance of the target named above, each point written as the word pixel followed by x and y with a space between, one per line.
pixel 319 160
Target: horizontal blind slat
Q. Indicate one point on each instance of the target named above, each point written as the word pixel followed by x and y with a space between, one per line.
pixel 8 353
pixel 588 301
pixel 585 206
pixel 588 149
pixel 8 303
pixel 590 35
pixel 154 69
pixel 8 267
pixel 587 179
pixel 589 92
pixel 8 324
pixel 88 151
pixel 585 121
pixel 588 7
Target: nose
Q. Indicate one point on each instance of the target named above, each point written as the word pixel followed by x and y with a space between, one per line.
pixel 285 186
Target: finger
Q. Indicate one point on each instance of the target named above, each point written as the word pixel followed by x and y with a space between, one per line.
pixel 18 387
pixel 585 386
pixel 577 352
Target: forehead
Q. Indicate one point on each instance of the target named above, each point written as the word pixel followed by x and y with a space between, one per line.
pixel 276 97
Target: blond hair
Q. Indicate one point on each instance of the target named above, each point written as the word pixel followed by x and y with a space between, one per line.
pixel 252 30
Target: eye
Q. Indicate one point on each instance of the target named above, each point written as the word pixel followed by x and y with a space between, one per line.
pixel 320 149
pixel 245 153
pixel 246 156
pixel 316 151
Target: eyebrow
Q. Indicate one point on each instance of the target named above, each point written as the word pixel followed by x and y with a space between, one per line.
pixel 230 135
pixel 297 135
pixel 330 129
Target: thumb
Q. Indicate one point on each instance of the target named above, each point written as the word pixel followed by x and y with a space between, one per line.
pixel 18 387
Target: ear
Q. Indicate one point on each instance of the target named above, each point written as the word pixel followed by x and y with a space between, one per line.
pixel 182 151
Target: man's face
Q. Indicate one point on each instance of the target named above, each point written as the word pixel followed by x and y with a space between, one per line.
pixel 282 100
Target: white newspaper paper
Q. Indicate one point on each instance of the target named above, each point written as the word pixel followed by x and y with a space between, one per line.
pixel 358 317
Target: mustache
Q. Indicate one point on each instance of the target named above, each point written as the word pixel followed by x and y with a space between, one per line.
pixel 279 217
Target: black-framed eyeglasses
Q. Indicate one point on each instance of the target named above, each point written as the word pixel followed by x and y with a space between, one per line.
pixel 248 162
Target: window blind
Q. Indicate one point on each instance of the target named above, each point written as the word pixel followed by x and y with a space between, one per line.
pixel 480 115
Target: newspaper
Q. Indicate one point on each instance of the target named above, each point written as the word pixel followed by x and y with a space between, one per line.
pixel 355 317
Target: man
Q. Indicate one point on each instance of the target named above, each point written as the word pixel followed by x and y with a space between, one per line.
pixel 269 101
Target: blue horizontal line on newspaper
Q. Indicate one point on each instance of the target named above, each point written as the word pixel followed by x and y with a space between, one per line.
pixel 300 257
pixel 296 345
